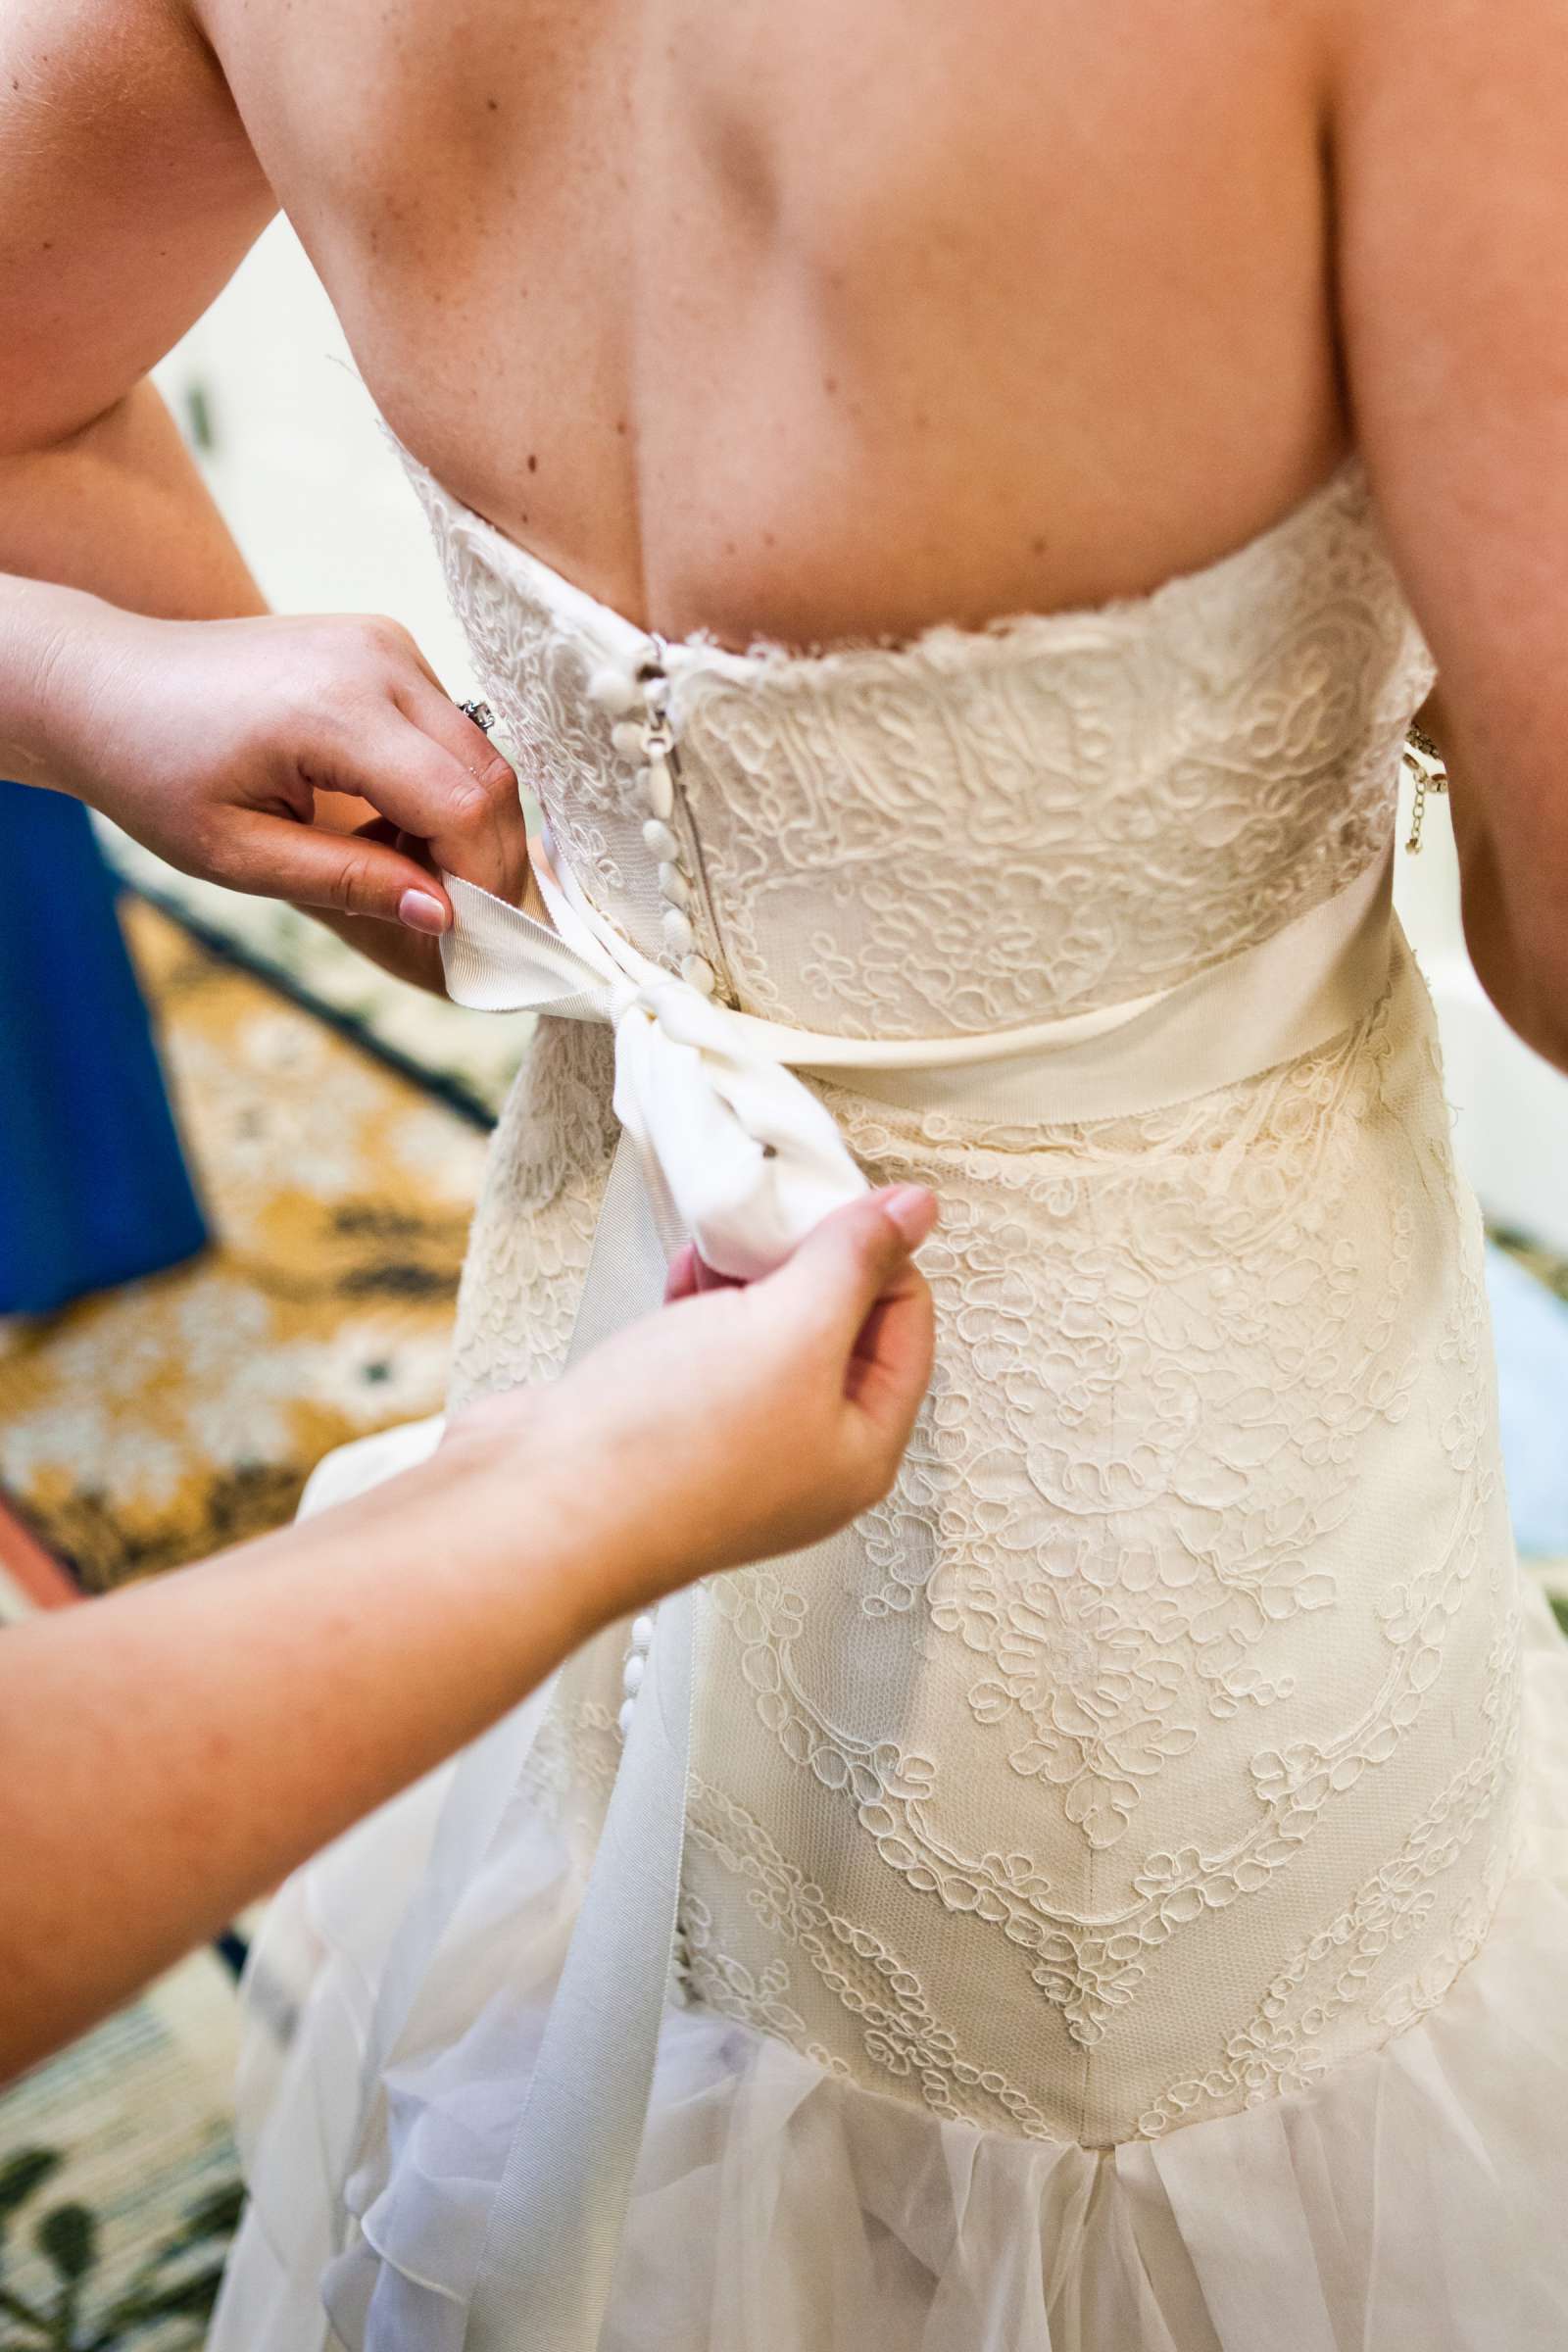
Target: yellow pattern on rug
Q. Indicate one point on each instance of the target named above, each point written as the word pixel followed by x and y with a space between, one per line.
pixel 150 1425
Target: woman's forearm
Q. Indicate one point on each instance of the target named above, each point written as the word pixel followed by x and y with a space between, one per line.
pixel 302 758
pixel 46 633
pixel 1520 954
pixel 121 508
pixel 169 1753
pixel 116 515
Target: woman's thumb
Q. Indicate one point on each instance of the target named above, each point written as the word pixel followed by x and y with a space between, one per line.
pixel 847 1262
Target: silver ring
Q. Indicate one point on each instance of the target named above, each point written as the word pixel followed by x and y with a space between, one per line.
pixel 484 717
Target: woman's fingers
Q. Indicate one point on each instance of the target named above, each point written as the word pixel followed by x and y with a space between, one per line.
pixel 855 1275
pixel 849 1262
pixel 402 953
pixel 681 1280
pixel 853 1282
pixel 353 874
pixel 757 1420
pixel 423 766
pixel 458 793
pixel 362 885
pixel 690 1275
pixel 890 1369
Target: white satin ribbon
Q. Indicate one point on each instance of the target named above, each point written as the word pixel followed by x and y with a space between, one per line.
pixel 734 1149
pixel 744 1158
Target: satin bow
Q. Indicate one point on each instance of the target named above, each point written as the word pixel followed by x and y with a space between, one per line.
pixel 735 1152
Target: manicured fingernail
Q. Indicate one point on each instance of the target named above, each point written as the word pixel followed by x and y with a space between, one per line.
pixel 422 912
pixel 913 1209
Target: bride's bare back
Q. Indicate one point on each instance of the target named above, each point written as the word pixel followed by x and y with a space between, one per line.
pixel 813 327
pixel 839 321
pixel 905 312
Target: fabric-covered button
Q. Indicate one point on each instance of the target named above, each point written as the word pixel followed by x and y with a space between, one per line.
pixel 662 841
pixel 612 690
pixel 627 737
pixel 642 1631
pixel 698 974
pixel 631 1674
pixel 659 791
pixel 677 930
pixel 674 885
pixel 628 1708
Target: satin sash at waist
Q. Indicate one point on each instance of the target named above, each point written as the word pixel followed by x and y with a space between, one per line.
pixel 740 1156
pixel 721 1141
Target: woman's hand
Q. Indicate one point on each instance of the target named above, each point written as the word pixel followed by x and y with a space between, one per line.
pixel 730 1426
pixel 313 760
pixel 169 1752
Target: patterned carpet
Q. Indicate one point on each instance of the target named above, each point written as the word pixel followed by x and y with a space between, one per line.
pixel 147 1426
pixel 467 1062
pixel 118 2181
pixel 119 2177
pixel 155 1424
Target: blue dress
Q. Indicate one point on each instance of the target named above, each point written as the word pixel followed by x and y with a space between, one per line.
pixel 93 1184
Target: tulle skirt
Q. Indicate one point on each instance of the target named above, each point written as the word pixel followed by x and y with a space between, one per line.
pixel 1415 2198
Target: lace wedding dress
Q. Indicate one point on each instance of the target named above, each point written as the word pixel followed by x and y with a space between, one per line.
pixel 1120 1897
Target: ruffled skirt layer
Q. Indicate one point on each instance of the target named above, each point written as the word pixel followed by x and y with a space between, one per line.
pixel 1415 2197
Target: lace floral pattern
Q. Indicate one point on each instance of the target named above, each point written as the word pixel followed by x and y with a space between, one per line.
pixel 984 829
pixel 1089 1786
pixel 1061 812
pixel 537 672
pixel 533 1234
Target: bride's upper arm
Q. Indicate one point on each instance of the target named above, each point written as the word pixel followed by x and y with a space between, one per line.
pixel 1450 145
pixel 128 191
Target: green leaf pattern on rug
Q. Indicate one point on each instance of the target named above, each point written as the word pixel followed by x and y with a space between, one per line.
pixel 171 2291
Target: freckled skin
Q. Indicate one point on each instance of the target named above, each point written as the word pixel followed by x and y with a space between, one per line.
pixel 835 321
pixel 815 335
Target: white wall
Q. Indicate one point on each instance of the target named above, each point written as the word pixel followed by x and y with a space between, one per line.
pixel 322 508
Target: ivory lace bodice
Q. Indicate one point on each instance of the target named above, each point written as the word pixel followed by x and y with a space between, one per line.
pixel 1159 1753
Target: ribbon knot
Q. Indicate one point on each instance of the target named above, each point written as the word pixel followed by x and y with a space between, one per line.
pixel 740 1156
pixel 629 996
pixel 736 1153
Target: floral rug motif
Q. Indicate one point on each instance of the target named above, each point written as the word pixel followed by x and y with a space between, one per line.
pixel 153 1424
pixel 467 1058
pixel 119 2177
pixel 118 2180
